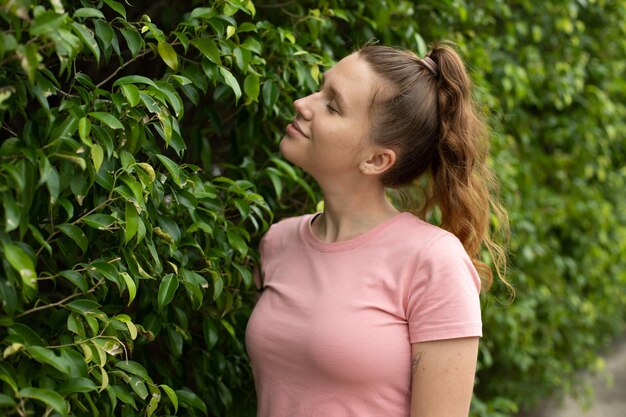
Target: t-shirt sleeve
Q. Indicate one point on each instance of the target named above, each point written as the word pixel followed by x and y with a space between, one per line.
pixel 443 301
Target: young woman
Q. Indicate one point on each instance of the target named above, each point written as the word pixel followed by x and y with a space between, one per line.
pixel 366 311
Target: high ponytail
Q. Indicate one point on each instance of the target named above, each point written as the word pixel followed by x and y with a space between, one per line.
pixel 429 117
pixel 462 184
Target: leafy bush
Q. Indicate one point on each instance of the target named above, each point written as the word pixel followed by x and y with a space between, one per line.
pixel 138 168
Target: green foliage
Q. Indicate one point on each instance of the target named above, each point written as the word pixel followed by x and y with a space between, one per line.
pixel 138 168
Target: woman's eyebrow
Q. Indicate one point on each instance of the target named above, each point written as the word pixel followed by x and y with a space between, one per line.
pixel 336 94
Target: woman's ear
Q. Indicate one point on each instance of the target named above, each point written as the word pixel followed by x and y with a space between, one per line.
pixel 378 162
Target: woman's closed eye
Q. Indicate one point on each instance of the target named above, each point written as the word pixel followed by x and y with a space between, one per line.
pixel 331 109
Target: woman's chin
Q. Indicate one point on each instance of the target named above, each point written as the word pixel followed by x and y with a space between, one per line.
pixel 286 148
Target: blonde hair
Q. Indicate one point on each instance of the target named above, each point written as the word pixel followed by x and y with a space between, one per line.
pixel 429 118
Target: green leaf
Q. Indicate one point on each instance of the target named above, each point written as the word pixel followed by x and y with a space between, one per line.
pixel 139 387
pixel 208 48
pixel 49 397
pixel 97 156
pixel 168 54
pixel 132 222
pixel 171 96
pixel 6 401
pixel 105 379
pixel 166 123
pixel 75 325
pixel 46 22
pixel 107 270
pixel 132 367
pixel 22 263
pixel 104 32
pixel 29 59
pixel 123 395
pixel 184 40
pixel 45 355
pixel 72 158
pixel 84 128
pixel 134 79
pixel 11 212
pixel 171 167
pixel 25 335
pixel 153 404
pixel 247 27
pixel 88 12
pixel 132 329
pixel 181 80
pixel 172 396
pixel 130 284
pixel 133 40
pixel 87 37
pixel 229 328
pixel 7 374
pixel 230 31
pixel 83 306
pixel 107 118
pixel 77 384
pixel 12 349
pixel 99 221
pixel 174 341
pixel 75 233
pixel 150 103
pixel 285 167
pixel 167 289
pixel 50 177
pixel 270 94
pixel 189 398
pixel 246 275
pixel 251 86
pixel 236 241
pixel 134 186
pixel 218 286
pixel 251 8
pixel 128 161
pixel 275 177
pixel 205 12
pixel 231 81
pixel 148 170
pixel 420 45
pixel 39 238
pixel 211 335
pixel 131 92
pixel 117 7
pixel 75 278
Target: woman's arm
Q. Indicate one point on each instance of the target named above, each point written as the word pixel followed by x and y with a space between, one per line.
pixel 443 377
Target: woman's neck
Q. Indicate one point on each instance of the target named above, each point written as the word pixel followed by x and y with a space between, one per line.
pixel 350 213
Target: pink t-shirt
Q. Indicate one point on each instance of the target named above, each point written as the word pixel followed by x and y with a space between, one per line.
pixel 331 333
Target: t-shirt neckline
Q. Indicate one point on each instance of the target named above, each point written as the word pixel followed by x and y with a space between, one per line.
pixel 306 232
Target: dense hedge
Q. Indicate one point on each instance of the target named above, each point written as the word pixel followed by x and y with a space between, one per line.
pixel 138 168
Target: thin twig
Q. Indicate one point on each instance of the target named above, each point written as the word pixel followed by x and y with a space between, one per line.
pixel 58 303
pixel 55 232
pixel 8 130
pixel 107 79
pixel 274 6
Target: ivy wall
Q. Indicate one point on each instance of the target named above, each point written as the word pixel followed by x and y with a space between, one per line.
pixel 139 167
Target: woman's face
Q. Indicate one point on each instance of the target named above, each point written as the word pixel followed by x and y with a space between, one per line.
pixel 329 136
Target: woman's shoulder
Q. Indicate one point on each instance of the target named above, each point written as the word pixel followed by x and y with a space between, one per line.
pixel 412 227
pixel 286 226
pixel 421 238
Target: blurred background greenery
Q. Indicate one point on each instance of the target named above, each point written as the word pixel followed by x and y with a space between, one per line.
pixel 139 167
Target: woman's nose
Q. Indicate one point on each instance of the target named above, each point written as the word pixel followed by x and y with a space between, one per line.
pixel 303 107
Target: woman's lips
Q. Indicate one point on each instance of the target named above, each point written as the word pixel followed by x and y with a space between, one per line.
pixel 294 127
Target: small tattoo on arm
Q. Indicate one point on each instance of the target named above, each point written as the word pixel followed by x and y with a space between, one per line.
pixel 415 360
